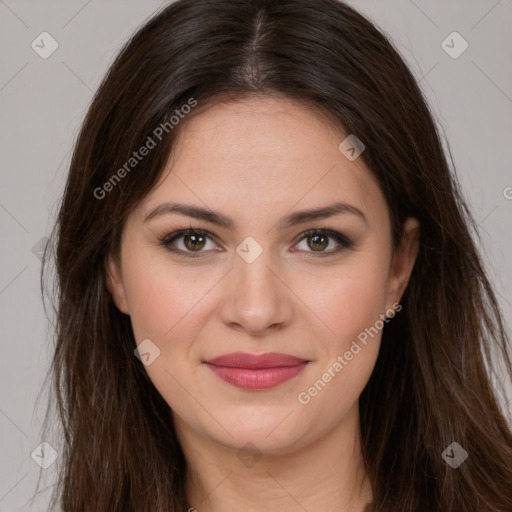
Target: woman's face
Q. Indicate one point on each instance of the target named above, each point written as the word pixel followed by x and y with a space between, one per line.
pixel 252 282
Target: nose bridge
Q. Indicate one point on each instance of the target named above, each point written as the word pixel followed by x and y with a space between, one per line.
pixel 257 298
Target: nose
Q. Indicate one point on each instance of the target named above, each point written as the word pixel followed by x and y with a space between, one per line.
pixel 256 300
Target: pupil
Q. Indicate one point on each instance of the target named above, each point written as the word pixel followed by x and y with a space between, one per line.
pixel 197 241
pixel 194 242
pixel 319 242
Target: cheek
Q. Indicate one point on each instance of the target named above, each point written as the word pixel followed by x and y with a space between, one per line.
pixel 350 303
pixel 161 301
pixel 169 306
pixel 349 300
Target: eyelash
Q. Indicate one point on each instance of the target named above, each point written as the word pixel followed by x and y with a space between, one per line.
pixel 342 240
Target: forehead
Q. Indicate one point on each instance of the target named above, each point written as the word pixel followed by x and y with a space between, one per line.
pixel 263 155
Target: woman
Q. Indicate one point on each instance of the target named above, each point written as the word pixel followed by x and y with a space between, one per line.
pixel 269 297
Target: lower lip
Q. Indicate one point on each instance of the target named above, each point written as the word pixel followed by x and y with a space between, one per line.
pixel 262 378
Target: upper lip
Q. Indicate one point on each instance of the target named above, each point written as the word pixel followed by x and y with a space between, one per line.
pixel 256 361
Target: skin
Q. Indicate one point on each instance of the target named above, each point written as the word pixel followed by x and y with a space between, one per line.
pixel 256 160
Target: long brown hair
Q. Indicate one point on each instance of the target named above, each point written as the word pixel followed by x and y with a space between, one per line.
pixel 431 385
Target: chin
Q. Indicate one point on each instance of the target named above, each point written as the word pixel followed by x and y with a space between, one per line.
pixel 268 434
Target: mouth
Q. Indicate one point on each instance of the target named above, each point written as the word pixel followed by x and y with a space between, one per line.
pixel 256 371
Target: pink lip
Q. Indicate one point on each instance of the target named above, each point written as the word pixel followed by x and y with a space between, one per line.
pixel 256 371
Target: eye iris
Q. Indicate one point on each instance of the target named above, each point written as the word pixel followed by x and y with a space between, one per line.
pixel 196 242
pixel 319 242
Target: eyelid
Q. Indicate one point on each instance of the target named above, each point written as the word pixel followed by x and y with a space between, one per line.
pixel 342 240
pixel 167 240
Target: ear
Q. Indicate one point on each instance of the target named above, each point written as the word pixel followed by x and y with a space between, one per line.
pixel 115 284
pixel 403 261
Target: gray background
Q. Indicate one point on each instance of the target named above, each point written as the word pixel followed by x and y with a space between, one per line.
pixel 42 102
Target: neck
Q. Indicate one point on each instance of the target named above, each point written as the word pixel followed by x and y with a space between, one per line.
pixel 328 474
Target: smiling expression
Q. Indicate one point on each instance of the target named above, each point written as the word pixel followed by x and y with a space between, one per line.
pixel 288 252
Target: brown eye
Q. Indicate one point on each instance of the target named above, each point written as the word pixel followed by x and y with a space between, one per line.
pixel 194 242
pixel 189 242
pixel 318 242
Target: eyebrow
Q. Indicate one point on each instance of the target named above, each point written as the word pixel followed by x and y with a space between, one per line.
pixel 292 219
